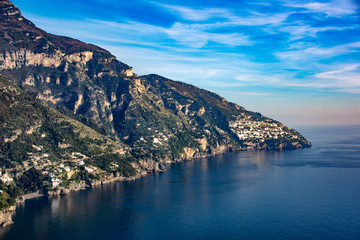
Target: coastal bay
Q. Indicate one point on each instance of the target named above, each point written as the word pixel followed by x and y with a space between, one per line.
pixel 302 194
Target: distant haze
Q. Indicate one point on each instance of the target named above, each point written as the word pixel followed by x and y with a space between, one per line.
pixel 295 61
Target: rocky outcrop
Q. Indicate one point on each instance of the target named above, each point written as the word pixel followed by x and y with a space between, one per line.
pixel 189 153
pixel 6 217
pixel 24 57
pixel 128 72
pixel 8 10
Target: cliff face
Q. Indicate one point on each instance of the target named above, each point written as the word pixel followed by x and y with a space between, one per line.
pixel 64 72
pixel 90 118
pixel 34 135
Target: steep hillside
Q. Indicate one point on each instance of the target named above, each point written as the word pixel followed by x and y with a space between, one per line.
pixel 74 114
pixel 64 72
pixel 60 150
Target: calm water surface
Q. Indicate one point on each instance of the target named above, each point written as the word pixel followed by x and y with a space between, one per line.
pixel 306 194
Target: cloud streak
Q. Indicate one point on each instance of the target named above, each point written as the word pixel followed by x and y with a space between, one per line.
pixel 224 17
pixel 308 53
pixel 331 9
pixel 196 14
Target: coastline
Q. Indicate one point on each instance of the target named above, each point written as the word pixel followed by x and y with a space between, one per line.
pixel 6 215
pixel 32 195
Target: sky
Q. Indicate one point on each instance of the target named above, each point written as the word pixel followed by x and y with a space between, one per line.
pixel 295 61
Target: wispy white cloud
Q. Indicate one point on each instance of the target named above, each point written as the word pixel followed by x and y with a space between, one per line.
pixel 209 19
pixel 157 56
pixel 187 34
pixel 192 36
pixel 137 33
pixel 196 14
pixel 337 8
pixel 335 74
pixel 318 52
pixel 344 79
pixel 300 30
pixel 201 71
pixel 229 17
pixel 261 20
pixel 256 78
pixel 347 78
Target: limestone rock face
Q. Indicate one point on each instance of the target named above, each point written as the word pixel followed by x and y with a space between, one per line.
pixel 6 217
pixel 24 57
pixel 16 59
pixel 189 153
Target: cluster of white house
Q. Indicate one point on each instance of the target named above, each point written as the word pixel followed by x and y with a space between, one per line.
pixel 248 129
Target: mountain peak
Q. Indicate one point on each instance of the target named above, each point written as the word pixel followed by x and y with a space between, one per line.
pixel 9 10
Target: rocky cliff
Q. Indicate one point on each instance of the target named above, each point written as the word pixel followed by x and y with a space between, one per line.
pixel 73 114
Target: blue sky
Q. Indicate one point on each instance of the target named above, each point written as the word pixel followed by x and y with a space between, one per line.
pixel 295 61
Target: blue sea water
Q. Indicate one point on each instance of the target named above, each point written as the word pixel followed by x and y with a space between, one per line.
pixel 304 194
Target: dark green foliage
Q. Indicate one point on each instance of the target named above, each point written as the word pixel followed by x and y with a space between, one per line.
pixel 271 143
pixel 31 180
pixel 83 119
pixel 15 151
pixel 105 161
pixel 140 153
pixel 5 199
pixel 14 192
pixel 6 163
pixel 180 141
pixel 83 175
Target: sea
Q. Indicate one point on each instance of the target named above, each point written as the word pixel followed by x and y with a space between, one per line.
pixel 307 194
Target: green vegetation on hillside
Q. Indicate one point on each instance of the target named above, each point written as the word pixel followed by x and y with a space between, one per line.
pixel 71 114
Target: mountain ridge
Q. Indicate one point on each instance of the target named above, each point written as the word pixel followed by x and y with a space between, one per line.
pixel 139 122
